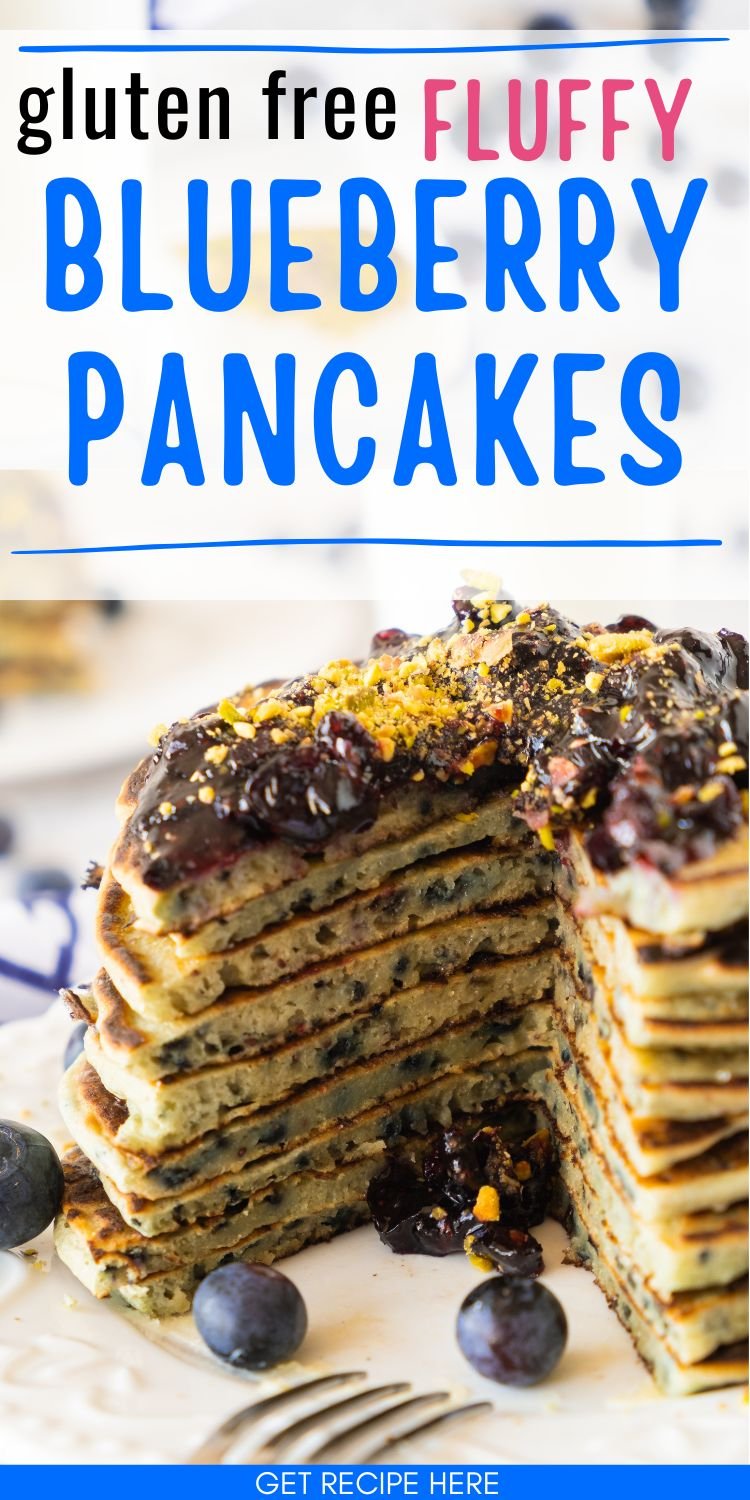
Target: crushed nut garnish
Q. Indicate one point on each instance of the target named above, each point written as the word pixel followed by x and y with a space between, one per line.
pixel 228 711
pixel 710 791
pixel 529 692
pixel 487 1206
pixel 479 1262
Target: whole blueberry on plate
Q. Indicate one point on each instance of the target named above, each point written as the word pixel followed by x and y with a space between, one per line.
pixel 31 1184
pixel 74 1045
pixel 512 1330
pixel 251 1316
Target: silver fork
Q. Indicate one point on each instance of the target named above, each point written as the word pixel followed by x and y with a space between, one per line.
pixel 392 1401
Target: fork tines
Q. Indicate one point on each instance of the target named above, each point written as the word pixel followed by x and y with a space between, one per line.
pixel 322 1419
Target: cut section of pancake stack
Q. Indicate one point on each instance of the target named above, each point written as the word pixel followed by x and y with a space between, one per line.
pixel 396 895
pixel 256 1114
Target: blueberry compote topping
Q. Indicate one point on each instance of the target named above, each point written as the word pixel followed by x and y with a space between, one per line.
pixel 304 793
pixel 478 1190
pixel 639 735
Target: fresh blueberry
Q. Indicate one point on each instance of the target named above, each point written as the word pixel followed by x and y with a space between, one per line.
pixel 670 15
pixel 251 1316
pixel 512 1330
pixel 549 20
pixel 43 882
pixel 75 1043
pixel 31 1184
pixel 7 836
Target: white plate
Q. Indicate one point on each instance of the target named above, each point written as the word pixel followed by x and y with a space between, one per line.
pixel 162 661
pixel 80 1383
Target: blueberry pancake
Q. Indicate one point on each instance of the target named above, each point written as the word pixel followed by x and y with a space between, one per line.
pixel 245 1022
pixel 157 982
pixel 498 997
pixel 386 900
pixel 318 1120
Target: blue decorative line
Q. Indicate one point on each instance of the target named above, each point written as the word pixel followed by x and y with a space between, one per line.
pixel 378 541
pixel 647 41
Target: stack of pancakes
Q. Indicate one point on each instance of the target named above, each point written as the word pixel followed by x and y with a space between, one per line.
pixel 394 895
pixel 44 646
pixel 40 648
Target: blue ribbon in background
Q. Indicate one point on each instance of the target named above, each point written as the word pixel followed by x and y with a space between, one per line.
pixel 62 971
